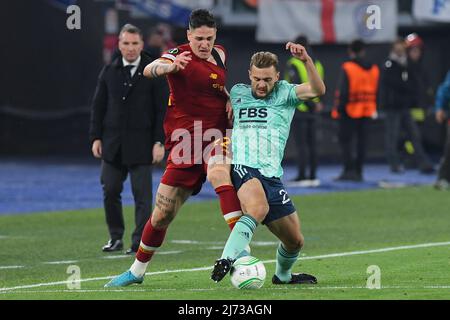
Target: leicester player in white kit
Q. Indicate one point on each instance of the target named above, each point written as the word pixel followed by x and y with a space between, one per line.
pixel 263 113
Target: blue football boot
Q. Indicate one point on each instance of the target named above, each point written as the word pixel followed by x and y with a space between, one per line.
pixel 123 280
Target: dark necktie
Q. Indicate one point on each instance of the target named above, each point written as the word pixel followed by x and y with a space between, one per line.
pixel 127 70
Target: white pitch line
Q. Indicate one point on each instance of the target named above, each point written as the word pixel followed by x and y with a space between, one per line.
pixel 196 242
pixel 11 267
pixel 352 253
pixel 185 241
pixel 168 252
pixel 325 256
pixel 301 288
pixel 118 257
pixel 263 243
pixel 61 262
pixel 132 256
pixel 99 278
pixel 254 243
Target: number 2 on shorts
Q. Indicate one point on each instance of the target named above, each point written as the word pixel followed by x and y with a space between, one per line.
pixel 285 196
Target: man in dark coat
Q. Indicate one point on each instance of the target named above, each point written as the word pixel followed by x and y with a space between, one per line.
pixel 126 133
pixel 397 94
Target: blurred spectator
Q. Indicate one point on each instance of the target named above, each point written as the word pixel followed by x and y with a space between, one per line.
pixel 154 44
pixel 356 104
pixel 126 133
pixel 421 92
pixel 159 40
pixel 424 95
pixel 305 119
pixel 397 94
pixel 442 108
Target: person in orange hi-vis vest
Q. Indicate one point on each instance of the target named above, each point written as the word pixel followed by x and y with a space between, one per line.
pixel 355 105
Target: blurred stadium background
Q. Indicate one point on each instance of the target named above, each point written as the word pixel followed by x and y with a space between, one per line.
pixel 49 72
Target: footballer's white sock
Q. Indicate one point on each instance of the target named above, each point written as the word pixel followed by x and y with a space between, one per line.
pixel 138 268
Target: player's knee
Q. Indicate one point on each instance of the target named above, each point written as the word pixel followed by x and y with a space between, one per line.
pixel 218 176
pixel 295 244
pixel 300 242
pixel 258 211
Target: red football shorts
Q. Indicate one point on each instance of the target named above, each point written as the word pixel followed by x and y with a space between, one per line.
pixel 193 176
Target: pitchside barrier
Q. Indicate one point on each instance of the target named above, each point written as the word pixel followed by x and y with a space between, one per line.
pixel 65 133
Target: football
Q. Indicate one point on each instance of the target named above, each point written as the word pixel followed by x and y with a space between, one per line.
pixel 248 273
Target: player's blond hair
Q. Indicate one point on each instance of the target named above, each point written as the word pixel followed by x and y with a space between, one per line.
pixel 264 59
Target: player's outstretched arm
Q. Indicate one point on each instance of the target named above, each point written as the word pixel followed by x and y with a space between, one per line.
pixel 162 67
pixel 315 87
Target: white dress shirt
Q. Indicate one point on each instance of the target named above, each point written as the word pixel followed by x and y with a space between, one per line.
pixel 135 63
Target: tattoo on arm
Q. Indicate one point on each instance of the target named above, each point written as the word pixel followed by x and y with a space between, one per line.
pixel 159 69
pixel 153 71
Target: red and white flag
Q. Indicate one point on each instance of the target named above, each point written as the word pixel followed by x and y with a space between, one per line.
pixel 327 21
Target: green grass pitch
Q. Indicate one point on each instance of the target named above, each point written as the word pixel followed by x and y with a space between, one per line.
pixel 343 233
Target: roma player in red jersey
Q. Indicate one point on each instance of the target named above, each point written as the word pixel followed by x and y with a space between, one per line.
pixel 196 118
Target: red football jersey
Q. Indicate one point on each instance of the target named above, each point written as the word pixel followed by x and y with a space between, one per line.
pixel 197 93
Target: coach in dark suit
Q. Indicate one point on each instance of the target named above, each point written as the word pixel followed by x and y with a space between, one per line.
pixel 126 132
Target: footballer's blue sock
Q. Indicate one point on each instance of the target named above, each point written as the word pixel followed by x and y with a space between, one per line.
pixel 240 237
pixel 285 261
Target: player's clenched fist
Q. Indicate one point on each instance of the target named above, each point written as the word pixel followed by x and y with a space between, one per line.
pixel 297 51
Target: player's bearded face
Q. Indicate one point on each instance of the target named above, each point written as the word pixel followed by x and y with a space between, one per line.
pixel 201 41
pixel 263 80
pixel 130 46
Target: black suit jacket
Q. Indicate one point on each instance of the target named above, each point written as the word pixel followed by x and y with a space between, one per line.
pixel 396 87
pixel 128 117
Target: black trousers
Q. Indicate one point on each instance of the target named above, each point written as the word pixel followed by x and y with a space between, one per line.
pixel 444 166
pixel 350 128
pixel 398 121
pixel 113 176
pixel 304 129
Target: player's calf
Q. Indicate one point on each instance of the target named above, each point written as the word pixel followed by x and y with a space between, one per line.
pixel 219 177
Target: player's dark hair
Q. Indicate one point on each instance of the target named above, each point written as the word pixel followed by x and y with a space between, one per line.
pixel 302 40
pixel 357 46
pixel 264 60
pixel 200 18
pixel 131 29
